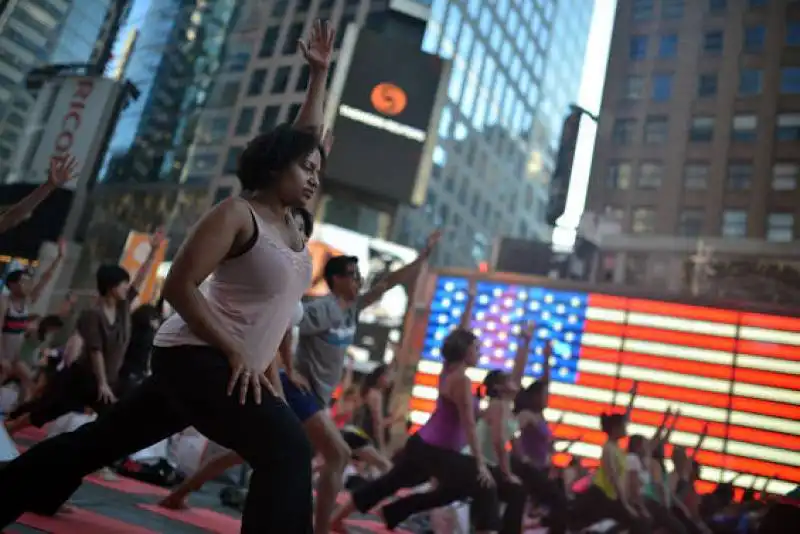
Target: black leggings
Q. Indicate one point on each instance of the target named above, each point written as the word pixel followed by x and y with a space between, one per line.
pixel 456 477
pixel 71 390
pixel 187 388
pixel 593 506
pixel 663 518
pixel 544 490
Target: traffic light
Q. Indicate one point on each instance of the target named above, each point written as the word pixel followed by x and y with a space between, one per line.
pixel 559 183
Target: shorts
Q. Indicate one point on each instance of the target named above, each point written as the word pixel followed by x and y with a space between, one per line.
pixel 355 437
pixel 304 404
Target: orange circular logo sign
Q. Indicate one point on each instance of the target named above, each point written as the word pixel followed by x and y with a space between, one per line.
pixel 388 99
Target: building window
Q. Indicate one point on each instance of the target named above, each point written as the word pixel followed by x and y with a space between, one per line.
pixel 662 87
pixel 270 118
pixel 712 42
pixel 232 159
pixel 780 227
pixel 790 80
pixel 668 46
pixel 281 80
pixel 655 130
pixel 294 111
pixel 788 127
pixel 619 176
pixel 302 80
pixel 695 176
pixel 793 33
pixel 690 222
pixel 734 223
pixel 717 6
pixel 749 82
pixel 650 175
pixel 740 176
pixel 256 85
pixel 744 128
pixel 671 9
pixel 784 176
pixel 643 221
pixel 754 39
pixel 638 47
pixel 623 131
pixel 757 3
pixel 634 87
pixel 701 129
pixel 245 122
pixel 294 34
pixel 707 85
pixel 270 41
pixel 642 9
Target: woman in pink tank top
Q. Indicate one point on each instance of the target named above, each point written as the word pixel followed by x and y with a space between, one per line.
pixel 434 453
pixel 210 356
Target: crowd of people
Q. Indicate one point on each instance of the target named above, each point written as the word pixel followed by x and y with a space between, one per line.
pixel 252 367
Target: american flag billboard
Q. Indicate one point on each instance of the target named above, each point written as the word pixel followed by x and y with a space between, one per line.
pixel 737 372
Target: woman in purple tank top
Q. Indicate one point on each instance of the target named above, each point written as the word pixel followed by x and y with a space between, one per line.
pixel 530 460
pixel 434 453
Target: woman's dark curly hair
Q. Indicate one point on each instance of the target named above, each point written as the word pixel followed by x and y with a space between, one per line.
pixel 273 152
pixel 492 384
pixel 456 345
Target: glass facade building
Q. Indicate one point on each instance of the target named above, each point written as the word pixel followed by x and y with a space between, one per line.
pixel 177 53
pixel 516 67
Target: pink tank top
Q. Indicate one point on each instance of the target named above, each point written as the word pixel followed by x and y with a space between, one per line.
pixel 253 295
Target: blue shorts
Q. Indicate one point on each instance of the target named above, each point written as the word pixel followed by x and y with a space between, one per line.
pixel 303 404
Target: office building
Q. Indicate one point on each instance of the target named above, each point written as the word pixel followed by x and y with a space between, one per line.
pixel 39 32
pixel 516 68
pixel 176 55
pixel 697 142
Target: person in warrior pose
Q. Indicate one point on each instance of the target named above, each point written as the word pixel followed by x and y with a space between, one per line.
pixel 327 329
pixel 210 356
pixel 15 313
pixel 434 454
pixel 530 460
pixel 104 330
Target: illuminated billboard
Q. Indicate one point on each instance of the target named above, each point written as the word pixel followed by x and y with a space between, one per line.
pixel 389 101
pixel 736 371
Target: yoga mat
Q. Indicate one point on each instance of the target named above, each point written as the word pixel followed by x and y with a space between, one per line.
pixel 80 522
pixel 128 485
pixel 199 517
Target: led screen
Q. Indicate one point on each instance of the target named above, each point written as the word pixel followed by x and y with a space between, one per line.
pixel 737 372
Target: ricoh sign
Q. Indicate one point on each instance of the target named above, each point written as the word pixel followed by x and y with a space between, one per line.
pixel 72 116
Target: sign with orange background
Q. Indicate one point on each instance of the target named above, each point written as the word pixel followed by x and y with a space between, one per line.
pixel 135 253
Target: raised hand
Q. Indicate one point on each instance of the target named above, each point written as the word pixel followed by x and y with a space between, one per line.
pixel 318 49
pixel 62 249
pixel 157 238
pixel 327 142
pixel 62 170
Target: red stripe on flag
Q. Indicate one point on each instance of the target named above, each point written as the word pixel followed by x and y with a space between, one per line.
pixel 775 322
pixel 769 350
pixel 682 311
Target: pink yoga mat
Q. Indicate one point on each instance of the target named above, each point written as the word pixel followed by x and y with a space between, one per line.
pixel 199 517
pixel 128 485
pixel 80 522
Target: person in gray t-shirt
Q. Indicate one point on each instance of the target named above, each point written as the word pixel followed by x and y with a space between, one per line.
pixel 326 330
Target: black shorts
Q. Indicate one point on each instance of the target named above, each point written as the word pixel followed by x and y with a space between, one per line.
pixel 355 438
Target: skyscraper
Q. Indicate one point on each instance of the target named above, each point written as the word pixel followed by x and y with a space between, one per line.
pixel 696 152
pixel 176 55
pixel 516 68
pixel 34 33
